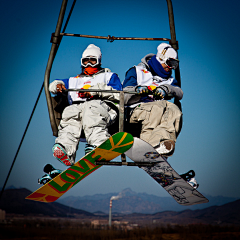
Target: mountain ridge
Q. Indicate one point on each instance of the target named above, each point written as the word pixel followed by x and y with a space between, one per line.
pixel 130 201
pixel 14 203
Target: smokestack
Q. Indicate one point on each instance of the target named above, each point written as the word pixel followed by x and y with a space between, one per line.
pixel 120 195
pixel 110 214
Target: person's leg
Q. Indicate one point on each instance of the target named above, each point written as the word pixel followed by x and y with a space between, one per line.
pixel 160 124
pixel 169 129
pixel 69 132
pixel 150 115
pixel 170 122
pixel 96 118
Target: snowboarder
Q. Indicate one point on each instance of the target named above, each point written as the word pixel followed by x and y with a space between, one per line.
pixel 152 81
pixel 92 112
pixel 159 119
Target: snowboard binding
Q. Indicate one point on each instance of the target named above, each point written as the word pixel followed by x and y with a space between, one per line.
pixel 51 172
pixel 188 175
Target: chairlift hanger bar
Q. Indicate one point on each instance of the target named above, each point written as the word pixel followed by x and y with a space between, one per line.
pixel 96 90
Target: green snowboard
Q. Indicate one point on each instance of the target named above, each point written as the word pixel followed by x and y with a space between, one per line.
pixel 110 149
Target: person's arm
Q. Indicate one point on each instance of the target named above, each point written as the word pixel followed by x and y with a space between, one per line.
pixel 113 84
pixel 129 84
pixel 130 78
pixel 58 85
pixel 173 90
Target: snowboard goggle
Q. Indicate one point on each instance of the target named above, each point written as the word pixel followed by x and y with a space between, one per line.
pixel 89 61
pixel 172 63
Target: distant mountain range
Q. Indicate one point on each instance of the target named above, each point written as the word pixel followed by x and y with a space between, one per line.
pixel 132 202
pixel 13 202
pixel 227 214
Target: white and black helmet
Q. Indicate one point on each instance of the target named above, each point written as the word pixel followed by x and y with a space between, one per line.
pixel 166 54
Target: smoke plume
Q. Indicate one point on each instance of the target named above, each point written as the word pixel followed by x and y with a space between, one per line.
pixel 120 195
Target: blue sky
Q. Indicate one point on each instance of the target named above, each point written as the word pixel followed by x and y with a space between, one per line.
pixel 208 51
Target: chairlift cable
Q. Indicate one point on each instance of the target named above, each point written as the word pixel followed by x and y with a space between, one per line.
pixel 10 170
pixel 22 140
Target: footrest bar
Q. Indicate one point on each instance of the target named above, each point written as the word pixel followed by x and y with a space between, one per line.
pixel 138 164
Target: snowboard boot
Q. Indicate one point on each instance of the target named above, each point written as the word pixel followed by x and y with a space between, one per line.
pixel 89 148
pixel 166 148
pixel 60 154
pixel 188 175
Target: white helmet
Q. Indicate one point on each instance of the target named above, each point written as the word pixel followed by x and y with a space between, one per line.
pixel 167 54
pixel 93 52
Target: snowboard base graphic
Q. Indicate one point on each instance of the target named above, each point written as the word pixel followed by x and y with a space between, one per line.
pixel 164 174
pixel 110 149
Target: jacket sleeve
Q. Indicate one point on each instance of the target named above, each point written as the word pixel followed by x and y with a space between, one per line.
pixel 53 86
pixel 173 91
pixel 129 98
pixel 113 84
pixel 130 78
pixel 129 85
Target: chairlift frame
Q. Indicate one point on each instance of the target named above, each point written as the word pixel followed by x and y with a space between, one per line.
pixel 56 40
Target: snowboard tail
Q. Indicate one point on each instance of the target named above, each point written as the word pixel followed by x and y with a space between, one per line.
pixel 165 175
pixel 110 149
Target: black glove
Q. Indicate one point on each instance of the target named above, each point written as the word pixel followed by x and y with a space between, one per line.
pixel 159 93
pixel 142 90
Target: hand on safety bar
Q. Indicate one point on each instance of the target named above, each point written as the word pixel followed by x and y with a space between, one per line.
pixel 60 87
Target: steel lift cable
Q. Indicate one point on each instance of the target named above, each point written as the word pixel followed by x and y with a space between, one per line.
pixel 10 170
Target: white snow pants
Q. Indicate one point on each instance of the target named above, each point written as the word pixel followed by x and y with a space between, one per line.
pixel 92 116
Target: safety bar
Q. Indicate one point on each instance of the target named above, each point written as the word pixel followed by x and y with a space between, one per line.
pixel 102 90
pixel 97 90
